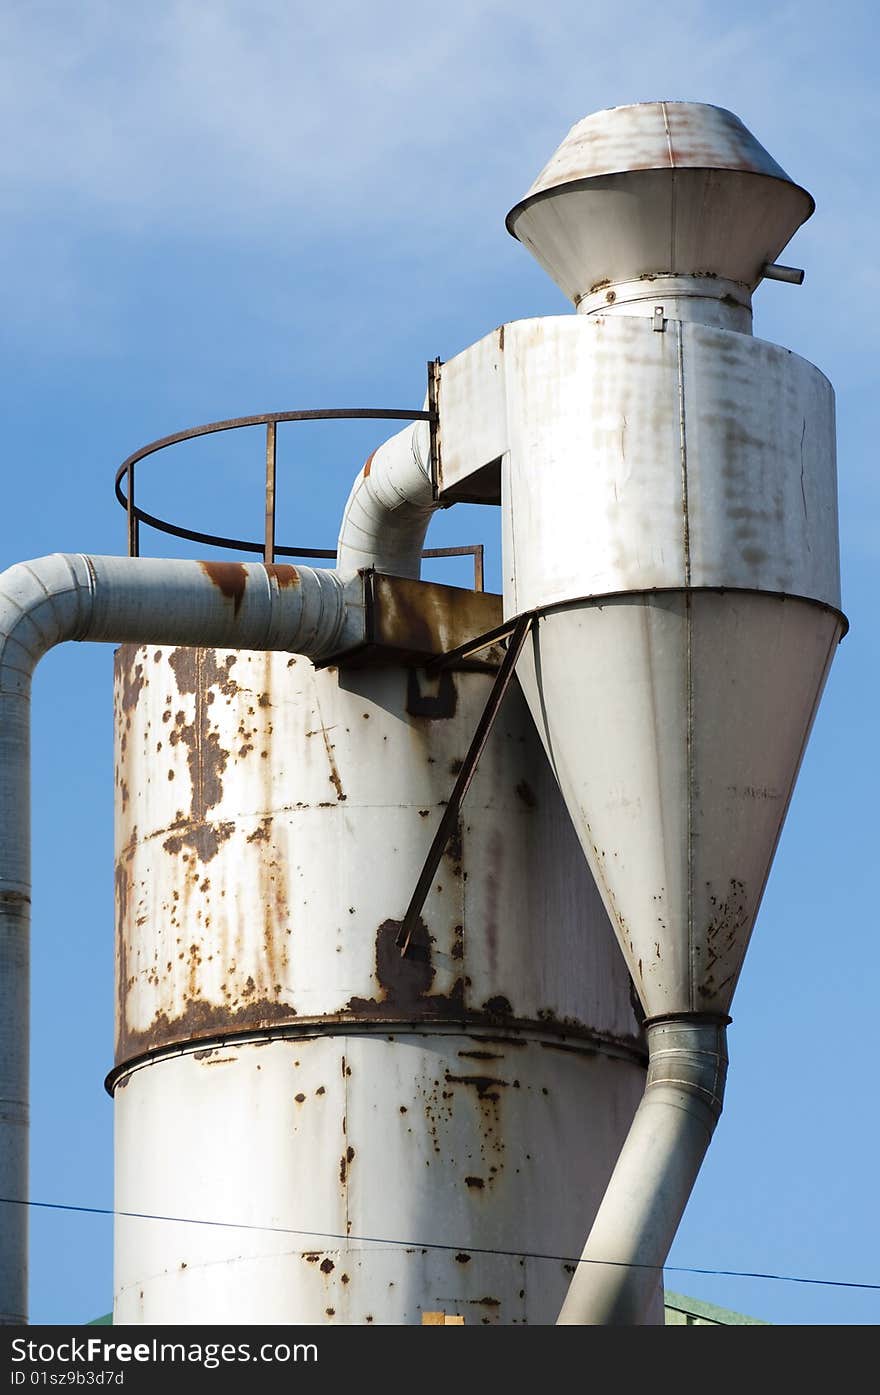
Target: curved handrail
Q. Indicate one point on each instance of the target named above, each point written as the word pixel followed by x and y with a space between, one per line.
pixel 269 549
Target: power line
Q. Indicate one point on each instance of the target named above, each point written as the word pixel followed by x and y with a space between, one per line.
pixel 435 1245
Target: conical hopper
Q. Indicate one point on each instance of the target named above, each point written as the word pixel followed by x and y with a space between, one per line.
pixel 676 723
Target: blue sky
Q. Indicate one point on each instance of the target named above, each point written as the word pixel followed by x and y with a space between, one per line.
pixel 212 209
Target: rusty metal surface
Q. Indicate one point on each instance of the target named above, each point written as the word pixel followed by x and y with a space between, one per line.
pixel 271 470
pixel 271 823
pixel 475 550
pixel 436 1145
pixel 414 622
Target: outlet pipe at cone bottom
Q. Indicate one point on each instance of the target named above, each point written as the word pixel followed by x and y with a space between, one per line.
pixel 649 1189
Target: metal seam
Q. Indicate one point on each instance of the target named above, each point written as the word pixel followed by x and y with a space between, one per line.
pixel 532 1033
pixel 689 684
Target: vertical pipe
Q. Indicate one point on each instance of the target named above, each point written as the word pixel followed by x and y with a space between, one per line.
pixel 48 601
pixel 644 1201
pixel 269 550
pixel 15 899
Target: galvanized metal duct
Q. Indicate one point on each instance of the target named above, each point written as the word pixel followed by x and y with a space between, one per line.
pixel 655 1174
pixel 61 597
pixel 390 506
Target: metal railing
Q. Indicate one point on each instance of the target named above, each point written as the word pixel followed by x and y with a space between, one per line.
pixel 269 548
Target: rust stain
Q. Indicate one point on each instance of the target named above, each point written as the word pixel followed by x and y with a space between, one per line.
pixel 454 849
pixel 228 577
pixel 475 1183
pixel 334 776
pixel 498 1008
pixel 198 672
pixel 485 1084
pixel 283 573
pixel 527 794
pixel 198 1019
pixel 122 878
pixel 131 676
pixel 203 838
pixel 405 981
pixel 495 880
pixel 368 463
pixel 327 1266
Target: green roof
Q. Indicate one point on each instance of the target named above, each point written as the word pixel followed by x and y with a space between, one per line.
pixel 693 1312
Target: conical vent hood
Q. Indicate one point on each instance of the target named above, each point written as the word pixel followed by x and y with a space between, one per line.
pixel 658 188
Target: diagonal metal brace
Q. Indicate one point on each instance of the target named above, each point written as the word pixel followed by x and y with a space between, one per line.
pixel 465 775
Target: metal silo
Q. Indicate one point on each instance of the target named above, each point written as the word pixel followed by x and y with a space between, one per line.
pixel 377 1053
pixel 381 1122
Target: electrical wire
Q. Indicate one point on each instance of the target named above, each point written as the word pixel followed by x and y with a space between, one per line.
pixel 435 1245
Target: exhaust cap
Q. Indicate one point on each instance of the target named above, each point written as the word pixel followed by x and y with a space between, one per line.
pixel 658 188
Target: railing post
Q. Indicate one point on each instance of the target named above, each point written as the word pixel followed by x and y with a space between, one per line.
pixel 133 537
pixel 269 550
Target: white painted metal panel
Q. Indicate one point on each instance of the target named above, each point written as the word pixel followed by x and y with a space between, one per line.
pixel 367 1173
pixel 471 404
pixel 761 467
pixel 676 726
pixel 643 460
pixel 595 491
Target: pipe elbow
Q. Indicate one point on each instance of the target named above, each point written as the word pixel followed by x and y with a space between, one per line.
pixel 390 506
pixel 42 602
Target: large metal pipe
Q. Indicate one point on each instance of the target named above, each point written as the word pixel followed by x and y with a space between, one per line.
pixel 61 597
pixel 655 1174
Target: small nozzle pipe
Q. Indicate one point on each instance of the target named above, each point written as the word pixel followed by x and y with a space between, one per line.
pixel 774 271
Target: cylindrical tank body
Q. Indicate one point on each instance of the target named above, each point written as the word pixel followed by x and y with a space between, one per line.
pixel 392 1135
